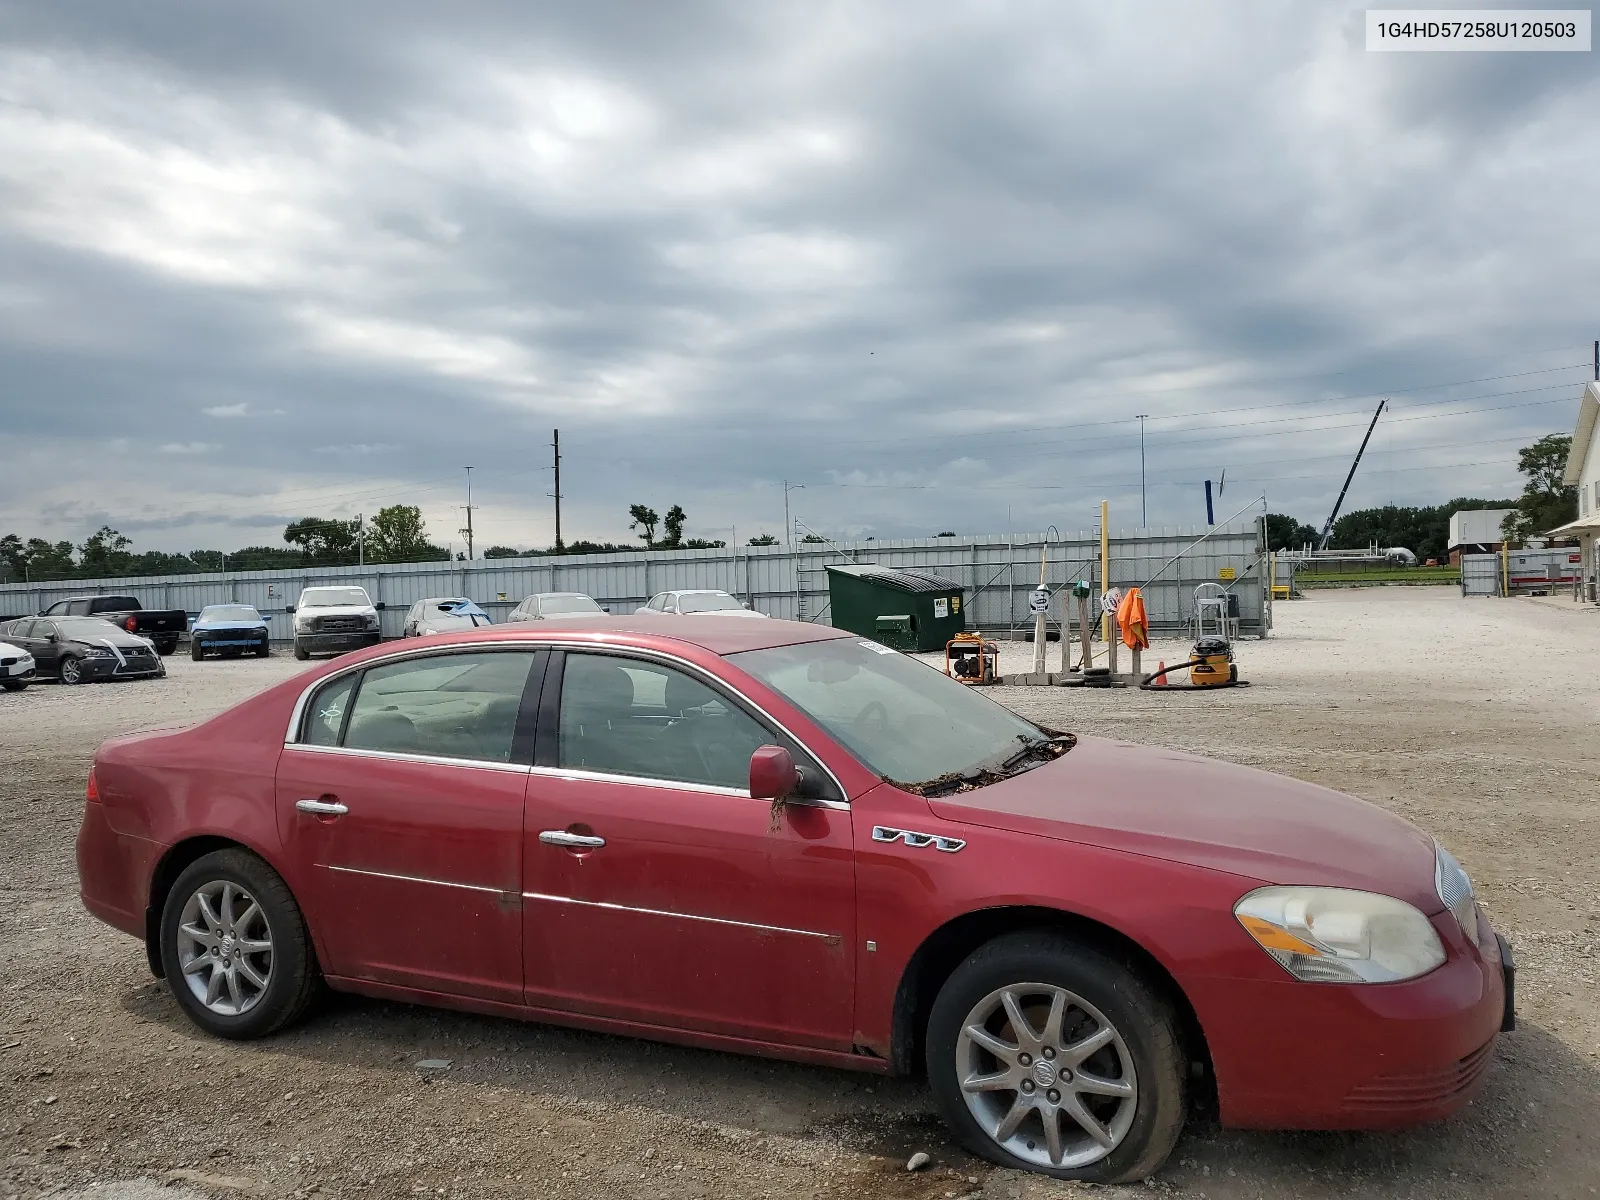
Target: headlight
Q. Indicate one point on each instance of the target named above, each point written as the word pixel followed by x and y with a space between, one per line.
pixel 1331 935
pixel 94 652
pixel 372 620
pixel 302 624
pixel 1455 889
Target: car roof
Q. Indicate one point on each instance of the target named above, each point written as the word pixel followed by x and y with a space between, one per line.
pixel 542 595
pixel 699 592
pixel 719 635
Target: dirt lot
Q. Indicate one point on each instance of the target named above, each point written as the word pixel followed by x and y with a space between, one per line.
pixel 1476 719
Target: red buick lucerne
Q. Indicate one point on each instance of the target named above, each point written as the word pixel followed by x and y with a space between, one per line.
pixel 780 838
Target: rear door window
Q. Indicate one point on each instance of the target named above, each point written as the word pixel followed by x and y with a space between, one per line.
pixel 442 706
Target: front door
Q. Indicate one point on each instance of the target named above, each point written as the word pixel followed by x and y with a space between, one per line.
pixel 401 808
pixel 656 890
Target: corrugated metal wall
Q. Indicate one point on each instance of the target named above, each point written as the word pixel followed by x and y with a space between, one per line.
pixel 997 572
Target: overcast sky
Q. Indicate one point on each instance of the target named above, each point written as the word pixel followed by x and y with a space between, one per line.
pixel 928 260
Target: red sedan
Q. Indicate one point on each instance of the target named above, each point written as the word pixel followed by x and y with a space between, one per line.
pixel 779 838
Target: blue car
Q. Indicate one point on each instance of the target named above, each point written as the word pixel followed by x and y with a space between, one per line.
pixel 229 630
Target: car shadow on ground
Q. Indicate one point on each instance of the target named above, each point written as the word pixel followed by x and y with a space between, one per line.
pixel 1530 1130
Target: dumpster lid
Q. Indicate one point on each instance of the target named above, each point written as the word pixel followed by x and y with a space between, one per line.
pixel 903 579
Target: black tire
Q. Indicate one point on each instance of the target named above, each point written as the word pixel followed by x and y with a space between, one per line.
pixel 166 646
pixel 197 650
pixel 68 671
pixel 1145 1022
pixel 263 651
pixel 293 978
pixel 301 653
pixel 13 685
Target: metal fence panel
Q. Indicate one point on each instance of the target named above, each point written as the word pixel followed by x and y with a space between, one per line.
pixel 997 572
pixel 1480 575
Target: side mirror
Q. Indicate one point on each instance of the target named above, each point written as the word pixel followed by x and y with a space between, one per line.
pixel 378 606
pixel 773 775
pixel 288 608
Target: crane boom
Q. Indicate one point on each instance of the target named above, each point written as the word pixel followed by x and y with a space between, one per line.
pixel 1327 530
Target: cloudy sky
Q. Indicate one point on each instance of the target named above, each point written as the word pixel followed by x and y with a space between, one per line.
pixel 928 260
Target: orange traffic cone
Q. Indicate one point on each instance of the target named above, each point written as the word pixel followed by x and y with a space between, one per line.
pixel 1160 679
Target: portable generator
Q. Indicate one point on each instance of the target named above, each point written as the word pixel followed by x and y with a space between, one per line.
pixel 971 660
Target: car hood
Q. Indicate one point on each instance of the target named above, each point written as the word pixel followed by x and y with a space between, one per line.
pixel 8 648
pixel 1207 813
pixel 111 637
pixel 224 626
pixel 337 610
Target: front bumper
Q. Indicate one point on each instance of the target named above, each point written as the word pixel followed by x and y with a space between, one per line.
pixel 337 643
pixel 18 672
pixel 1292 1055
pixel 229 641
pixel 140 667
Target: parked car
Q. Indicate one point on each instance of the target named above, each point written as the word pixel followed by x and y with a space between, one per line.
pixel 332 620
pixel 697 603
pixel 162 626
pixel 783 838
pixel 543 606
pixel 230 630
pixel 443 614
pixel 16 667
pixel 85 649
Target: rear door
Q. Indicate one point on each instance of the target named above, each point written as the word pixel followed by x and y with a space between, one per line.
pixel 657 890
pixel 400 805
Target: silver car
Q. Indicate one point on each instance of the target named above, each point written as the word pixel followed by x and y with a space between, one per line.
pixel 443 614
pixel 544 605
pixel 695 602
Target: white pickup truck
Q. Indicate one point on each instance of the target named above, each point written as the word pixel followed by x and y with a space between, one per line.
pixel 334 619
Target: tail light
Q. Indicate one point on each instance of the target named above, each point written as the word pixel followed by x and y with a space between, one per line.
pixel 131 624
pixel 91 791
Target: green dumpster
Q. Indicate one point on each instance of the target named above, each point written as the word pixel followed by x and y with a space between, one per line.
pixel 905 608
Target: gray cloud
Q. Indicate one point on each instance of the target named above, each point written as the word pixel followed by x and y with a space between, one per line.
pixel 927 262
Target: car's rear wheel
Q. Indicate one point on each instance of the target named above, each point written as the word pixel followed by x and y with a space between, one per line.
pixel 71 671
pixel 235 948
pixel 1047 1055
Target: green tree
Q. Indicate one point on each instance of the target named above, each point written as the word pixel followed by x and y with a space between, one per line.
pixel 265 558
pixel 646 519
pixel 586 547
pixel 703 544
pixel 1286 533
pixel 507 552
pixel 323 541
pixel 50 560
pixel 812 537
pixel 13 558
pixel 104 552
pixel 209 560
pixel 674 526
pixel 1546 501
pixel 400 535
pixel 945 533
pixel 766 539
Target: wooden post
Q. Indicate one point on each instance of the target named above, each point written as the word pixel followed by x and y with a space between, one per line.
pixel 1066 631
pixel 1084 634
pixel 1111 643
pixel 1105 574
pixel 1138 669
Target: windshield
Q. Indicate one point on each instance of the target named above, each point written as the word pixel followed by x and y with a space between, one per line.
pixel 328 597
pixel 904 720
pixel 692 602
pixel 85 627
pixel 566 604
pixel 229 612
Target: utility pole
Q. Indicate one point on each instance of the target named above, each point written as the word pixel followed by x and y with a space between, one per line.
pixel 1144 513
pixel 1597 362
pixel 468 530
pixel 788 526
pixel 556 446
pixel 361 543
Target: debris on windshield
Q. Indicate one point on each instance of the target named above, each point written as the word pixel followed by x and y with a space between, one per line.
pixel 1053 745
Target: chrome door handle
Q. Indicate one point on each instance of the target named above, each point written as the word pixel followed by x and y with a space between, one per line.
pixel 322 808
pixel 560 837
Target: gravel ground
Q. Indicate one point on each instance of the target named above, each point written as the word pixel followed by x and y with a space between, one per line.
pixel 1472 718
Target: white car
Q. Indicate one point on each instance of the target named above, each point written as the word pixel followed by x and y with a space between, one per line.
pixel 542 606
pixel 443 614
pixel 16 667
pixel 699 603
pixel 333 619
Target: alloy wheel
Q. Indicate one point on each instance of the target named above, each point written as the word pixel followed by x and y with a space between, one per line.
pixel 225 948
pixel 70 671
pixel 1046 1075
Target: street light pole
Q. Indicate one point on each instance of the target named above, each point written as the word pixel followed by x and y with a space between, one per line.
pixel 1144 513
pixel 788 526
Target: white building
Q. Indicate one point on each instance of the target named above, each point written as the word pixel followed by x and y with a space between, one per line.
pixel 1583 472
pixel 1476 531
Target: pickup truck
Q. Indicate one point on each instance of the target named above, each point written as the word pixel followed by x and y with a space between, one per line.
pixel 161 626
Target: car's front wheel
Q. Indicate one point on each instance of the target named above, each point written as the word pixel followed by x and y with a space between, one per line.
pixel 301 652
pixel 1048 1055
pixel 71 671
pixel 197 650
pixel 235 948
pixel 13 685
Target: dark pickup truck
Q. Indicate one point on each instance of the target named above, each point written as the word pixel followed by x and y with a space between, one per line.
pixel 163 626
